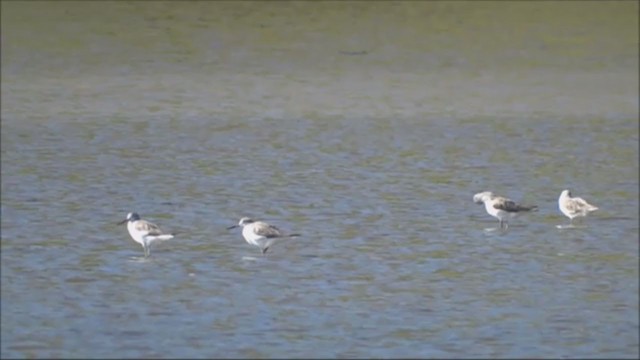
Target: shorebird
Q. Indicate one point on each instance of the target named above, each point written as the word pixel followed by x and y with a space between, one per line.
pixel 144 232
pixel 573 207
pixel 500 207
pixel 260 234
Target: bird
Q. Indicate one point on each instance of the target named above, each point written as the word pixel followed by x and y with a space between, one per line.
pixel 144 232
pixel 573 207
pixel 260 234
pixel 500 207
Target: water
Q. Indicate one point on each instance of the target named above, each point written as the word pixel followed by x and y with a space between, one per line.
pixel 367 127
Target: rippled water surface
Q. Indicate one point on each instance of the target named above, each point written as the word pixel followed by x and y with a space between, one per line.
pixel 365 126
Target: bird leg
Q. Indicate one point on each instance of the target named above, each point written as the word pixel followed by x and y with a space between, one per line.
pixel 503 224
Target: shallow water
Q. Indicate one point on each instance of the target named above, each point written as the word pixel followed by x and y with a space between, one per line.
pixel 367 127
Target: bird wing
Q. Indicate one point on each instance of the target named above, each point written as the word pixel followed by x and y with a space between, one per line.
pixel 510 205
pixel 504 204
pixel 577 204
pixel 266 230
pixel 150 228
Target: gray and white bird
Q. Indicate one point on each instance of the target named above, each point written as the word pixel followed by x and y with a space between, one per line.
pixel 260 234
pixel 500 207
pixel 574 207
pixel 144 232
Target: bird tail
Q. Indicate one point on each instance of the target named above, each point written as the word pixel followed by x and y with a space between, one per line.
pixel 592 208
pixel 165 237
pixel 293 235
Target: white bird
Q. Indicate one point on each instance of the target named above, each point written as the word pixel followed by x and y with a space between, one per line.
pixel 260 234
pixel 573 207
pixel 500 207
pixel 144 232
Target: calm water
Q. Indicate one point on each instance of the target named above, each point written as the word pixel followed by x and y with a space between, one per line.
pixel 367 127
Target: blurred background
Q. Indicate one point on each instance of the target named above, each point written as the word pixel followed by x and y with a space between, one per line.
pixel 365 126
